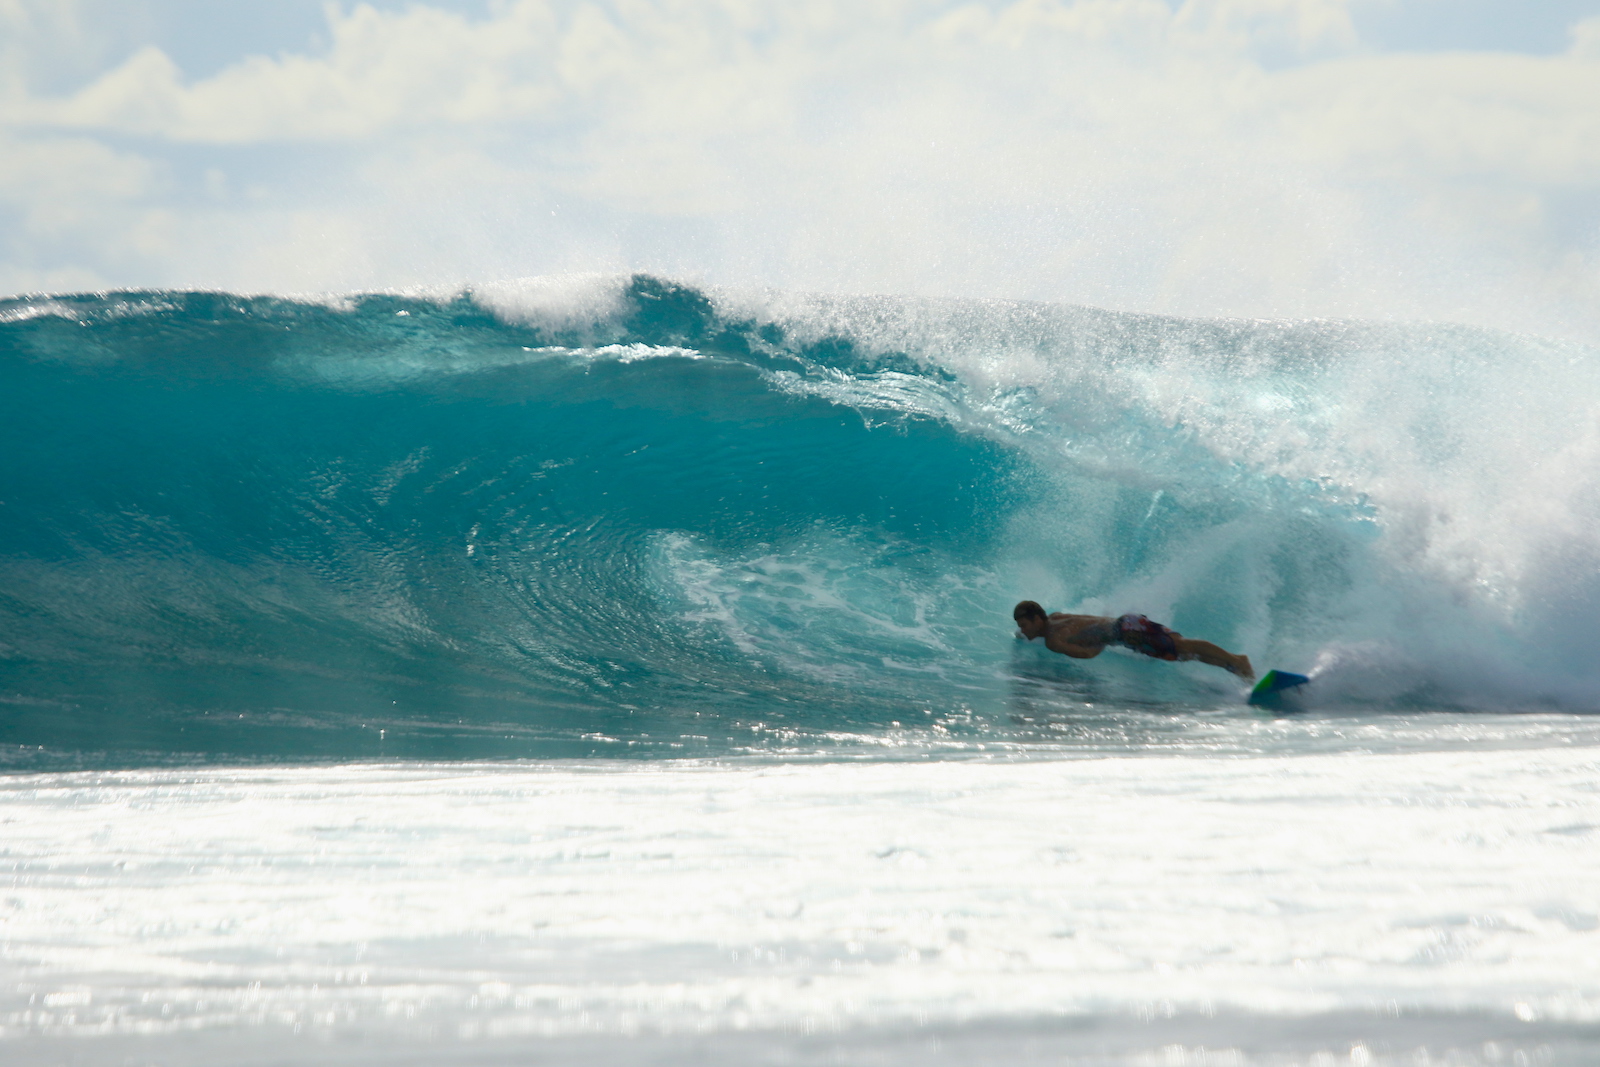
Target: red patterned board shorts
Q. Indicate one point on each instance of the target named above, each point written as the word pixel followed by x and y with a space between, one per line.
pixel 1150 638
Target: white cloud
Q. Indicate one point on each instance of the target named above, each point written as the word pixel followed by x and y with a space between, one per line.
pixel 1226 156
pixel 1586 40
pixel 1298 27
pixel 84 204
pixel 381 71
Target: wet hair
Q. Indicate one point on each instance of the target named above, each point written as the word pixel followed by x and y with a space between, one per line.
pixel 1028 609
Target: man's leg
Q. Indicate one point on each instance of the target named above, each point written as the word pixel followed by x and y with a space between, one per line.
pixel 1206 652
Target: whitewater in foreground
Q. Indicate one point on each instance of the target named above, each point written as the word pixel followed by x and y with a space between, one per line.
pixel 608 670
pixel 1429 901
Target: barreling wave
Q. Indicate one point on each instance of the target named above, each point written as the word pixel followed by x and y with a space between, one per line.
pixel 624 515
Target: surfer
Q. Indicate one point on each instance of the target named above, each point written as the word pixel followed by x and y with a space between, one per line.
pixel 1086 636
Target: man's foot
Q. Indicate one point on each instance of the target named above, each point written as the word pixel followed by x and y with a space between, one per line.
pixel 1241 667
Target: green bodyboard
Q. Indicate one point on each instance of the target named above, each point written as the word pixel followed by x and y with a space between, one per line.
pixel 1274 687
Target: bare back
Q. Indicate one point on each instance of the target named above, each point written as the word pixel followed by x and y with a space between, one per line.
pixel 1079 636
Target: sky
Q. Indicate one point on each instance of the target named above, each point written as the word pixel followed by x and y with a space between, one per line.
pixel 1388 159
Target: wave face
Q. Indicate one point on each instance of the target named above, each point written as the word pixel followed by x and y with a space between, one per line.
pixel 625 516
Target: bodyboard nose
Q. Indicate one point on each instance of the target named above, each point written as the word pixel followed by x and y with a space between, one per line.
pixel 1274 687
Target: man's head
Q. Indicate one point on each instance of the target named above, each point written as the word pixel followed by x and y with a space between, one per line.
pixel 1030 619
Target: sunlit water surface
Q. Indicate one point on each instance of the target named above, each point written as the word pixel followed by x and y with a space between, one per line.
pixel 1392 890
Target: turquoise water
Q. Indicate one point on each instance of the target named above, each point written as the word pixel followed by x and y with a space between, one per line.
pixel 609 670
pixel 625 516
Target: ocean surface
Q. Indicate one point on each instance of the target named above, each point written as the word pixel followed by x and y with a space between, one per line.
pixel 614 670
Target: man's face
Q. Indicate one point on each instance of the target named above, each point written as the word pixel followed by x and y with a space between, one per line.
pixel 1030 625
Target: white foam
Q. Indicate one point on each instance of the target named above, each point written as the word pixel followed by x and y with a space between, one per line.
pixel 22 311
pixel 451 903
pixel 1473 455
pixel 826 607
pixel 568 302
